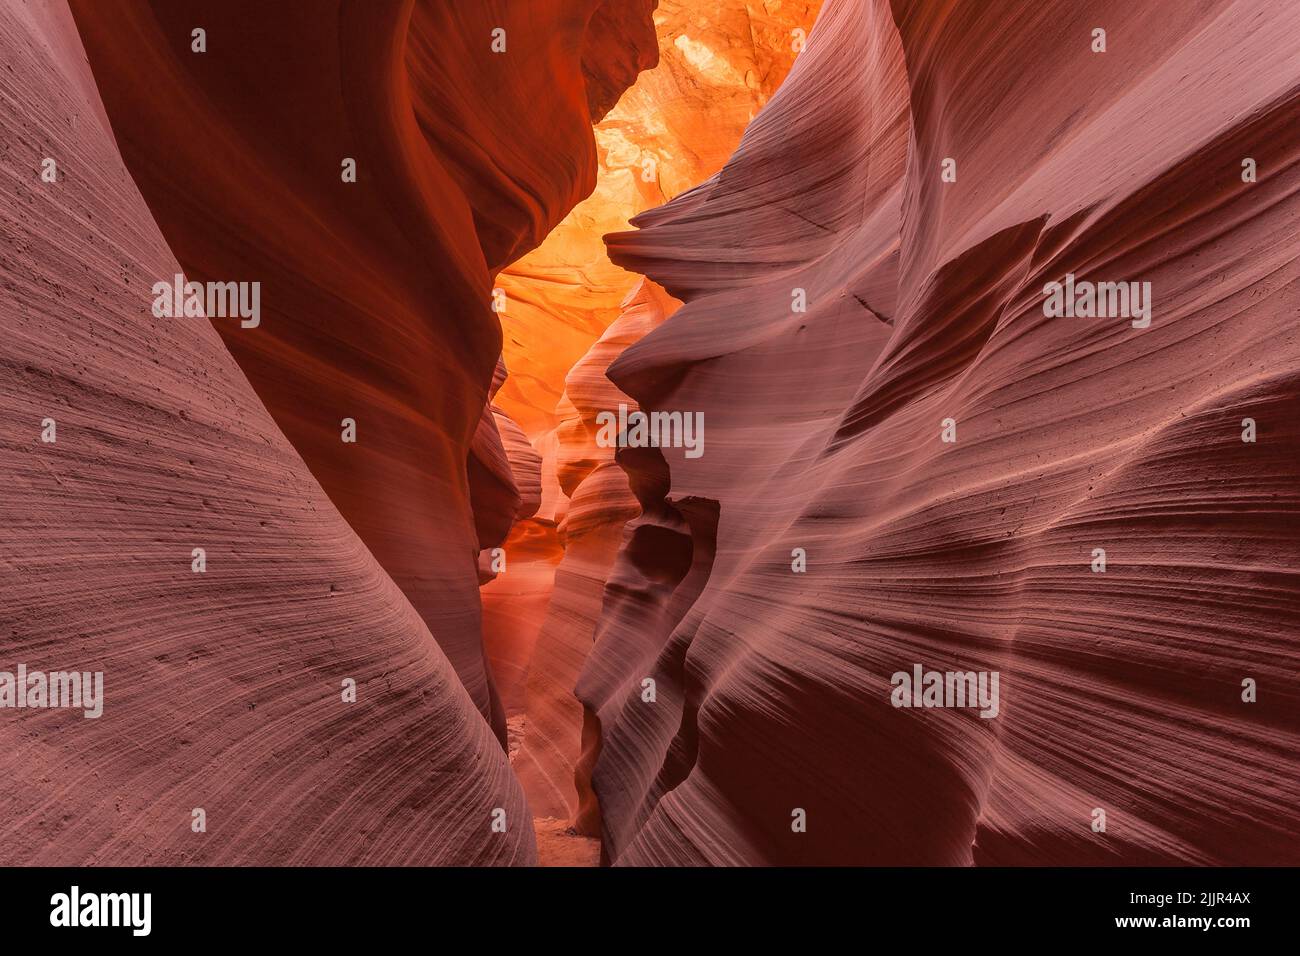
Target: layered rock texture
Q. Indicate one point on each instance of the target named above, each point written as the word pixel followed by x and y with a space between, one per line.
pixel 270 537
pixel 302 675
pixel 598 504
pixel 130 441
pixel 948 460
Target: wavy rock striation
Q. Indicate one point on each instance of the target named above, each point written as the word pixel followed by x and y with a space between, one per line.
pixel 1121 690
pixel 223 691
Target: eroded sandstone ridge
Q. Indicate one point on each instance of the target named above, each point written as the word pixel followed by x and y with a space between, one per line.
pixel 1121 691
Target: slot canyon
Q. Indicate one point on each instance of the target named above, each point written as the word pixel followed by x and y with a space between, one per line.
pixel 366 581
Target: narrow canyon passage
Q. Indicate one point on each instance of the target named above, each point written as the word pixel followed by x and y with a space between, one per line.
pixel 367 588
pixel 568 314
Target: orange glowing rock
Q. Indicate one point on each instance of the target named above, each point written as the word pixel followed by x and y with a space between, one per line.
pixel 719 63
pixel 672 130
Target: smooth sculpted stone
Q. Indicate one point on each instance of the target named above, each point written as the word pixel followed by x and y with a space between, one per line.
pixel 554 763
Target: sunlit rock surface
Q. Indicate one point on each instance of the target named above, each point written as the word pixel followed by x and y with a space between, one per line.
pixel 907 462
pixel 720 62
pixel 590 533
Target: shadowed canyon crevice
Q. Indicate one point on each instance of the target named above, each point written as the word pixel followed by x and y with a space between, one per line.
pixel 830 242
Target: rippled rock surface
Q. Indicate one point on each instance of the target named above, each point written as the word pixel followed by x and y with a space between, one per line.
pixel 1121 691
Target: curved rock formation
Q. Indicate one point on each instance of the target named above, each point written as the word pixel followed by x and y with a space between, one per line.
pixel 913 462
pixel 516 533
pixel 375 293
pixel 130 441
pixel 948 460
pixel 505 475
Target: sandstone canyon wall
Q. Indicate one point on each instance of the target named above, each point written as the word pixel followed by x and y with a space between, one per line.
pixel 907 462
pixel 222 689
pixel 598 504
pixel 1121 691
